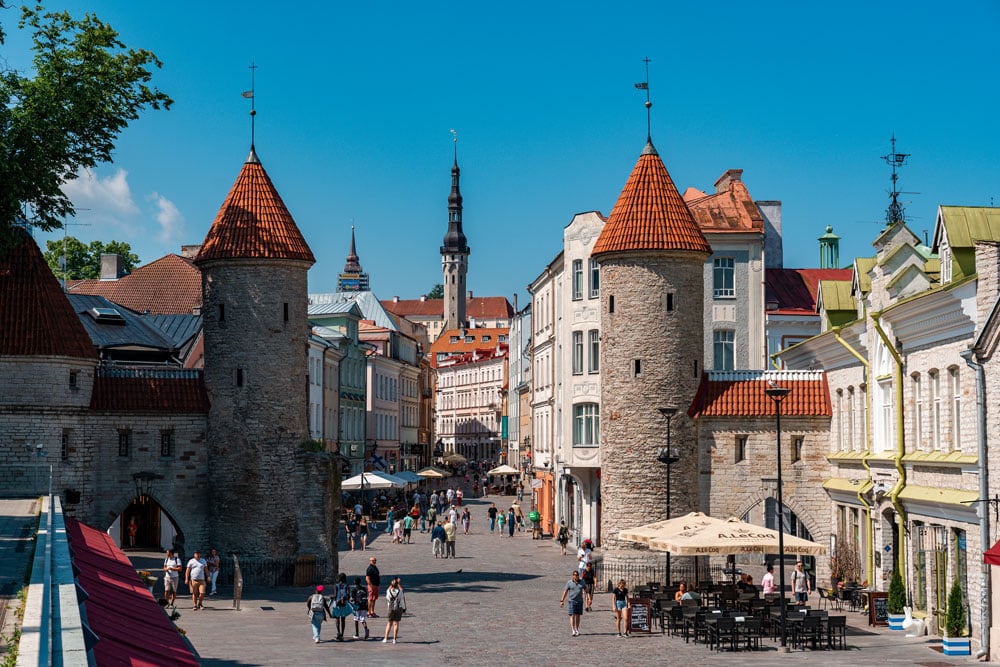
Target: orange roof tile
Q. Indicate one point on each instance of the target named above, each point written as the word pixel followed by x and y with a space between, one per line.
pixel 479 307
pixel 444 345
pixel 253 222
pixel 650 214
pixel 150 392
pixel 169 286
pixel 794 290
pixel 730 209
pixel 35 316
pixel 741 394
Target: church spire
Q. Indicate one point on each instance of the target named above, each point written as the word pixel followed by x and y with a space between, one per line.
pixel 454 254
pixel 353 279
pixel 454 239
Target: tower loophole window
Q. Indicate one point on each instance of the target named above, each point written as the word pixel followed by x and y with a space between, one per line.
pixel 222 312
pixel 239 377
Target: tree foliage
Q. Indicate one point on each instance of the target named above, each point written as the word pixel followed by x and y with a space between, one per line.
pixel 955 620
pixel 897 594
pixel 86 88
pixel 437 292
pixel 83 261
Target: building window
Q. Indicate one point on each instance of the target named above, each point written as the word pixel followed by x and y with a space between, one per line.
pixel 222 312
pixel 577 352
pixel 64 445
pixel 166 443
pixel 586 424
pixel 670 301
pixel 286 312
pixel 956 409
pixel 74 382
pixel 723 344
pixel 595 279
pixel 124 442
pixel 636 368
pixel 935 410
pixel 723 278
pixel 886 390
pixel 595 351
pixel 796 449
pixel 577 279
pixel 918 413
pixel 741 448
pixel 239 377
pixel 611 303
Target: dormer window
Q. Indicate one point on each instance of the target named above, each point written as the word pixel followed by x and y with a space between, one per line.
pixel 945 254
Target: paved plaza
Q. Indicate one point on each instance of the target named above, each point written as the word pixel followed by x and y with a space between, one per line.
pixel 496 604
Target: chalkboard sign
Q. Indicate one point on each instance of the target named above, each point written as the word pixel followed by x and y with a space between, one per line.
pixel 878 608
pixel 640 619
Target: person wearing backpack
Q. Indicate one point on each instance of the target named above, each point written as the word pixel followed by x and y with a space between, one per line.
pixel 340 607
pixel 563 537
pixel 318 611
pixel 397 606
pixel 359 600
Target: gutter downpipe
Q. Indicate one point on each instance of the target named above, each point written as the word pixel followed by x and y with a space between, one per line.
pixel 897 458
pixel 869 547
pixel 984 492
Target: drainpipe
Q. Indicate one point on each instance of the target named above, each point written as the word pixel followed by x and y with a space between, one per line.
pixel 897 458
pixel 869 547
pixel 984 515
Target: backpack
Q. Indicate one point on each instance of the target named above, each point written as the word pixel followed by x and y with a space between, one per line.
pixel 359 596
pixel 318 603
pixel 341 595
pixel 394 601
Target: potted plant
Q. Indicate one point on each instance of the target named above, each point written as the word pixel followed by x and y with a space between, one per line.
pixel 896 601
pixel 954 625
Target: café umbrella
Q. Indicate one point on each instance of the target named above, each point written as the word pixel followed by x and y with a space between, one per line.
pixel 504 470
pixel 372 480
pixel 698 534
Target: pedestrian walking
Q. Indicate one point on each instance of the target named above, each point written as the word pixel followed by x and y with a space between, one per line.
pixel 438 538
pixel 340 606
pixel 359 600
pixel 318 611
pixel 351 528
pixel 466 519
pixel 492 513
pixel 623 607
pixel 363 532
pixel 172 567
pixel 407 528
pixel 450 532
pixel 511 521
pixel 459 494
pixel 214 562
pixel 563 538
pixel 194 577
pixel 588 581
pixel 501 522
pixel 396 603
pixel 801 585
pixel 574 591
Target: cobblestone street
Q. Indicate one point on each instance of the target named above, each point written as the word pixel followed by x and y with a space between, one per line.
pixel 497 603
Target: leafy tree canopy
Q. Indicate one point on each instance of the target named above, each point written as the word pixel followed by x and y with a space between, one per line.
pixel 83 261
pixel 437 292
pixel 87 86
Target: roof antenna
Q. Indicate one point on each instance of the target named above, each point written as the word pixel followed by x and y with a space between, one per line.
pixel 249 94
pixel 644 85
pixel 895 212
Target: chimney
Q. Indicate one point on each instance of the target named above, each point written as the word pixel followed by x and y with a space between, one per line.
pixel 190 251
pixel 470 295
pixel 731 175
pixel 395 299
pixel 423 297
pixel 112 267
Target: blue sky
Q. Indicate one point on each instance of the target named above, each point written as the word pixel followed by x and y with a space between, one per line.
pixel 355 102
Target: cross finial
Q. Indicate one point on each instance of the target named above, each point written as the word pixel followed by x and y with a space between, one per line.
pixel 249 94
pixel 644 85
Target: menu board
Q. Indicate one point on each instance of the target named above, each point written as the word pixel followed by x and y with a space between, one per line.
pixel 878 608
pixel 639 621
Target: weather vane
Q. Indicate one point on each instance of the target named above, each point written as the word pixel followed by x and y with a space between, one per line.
pixel 895 160
pixel 249 94
pixel 644 85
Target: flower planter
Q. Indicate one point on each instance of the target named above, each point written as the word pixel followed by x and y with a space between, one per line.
pixel 896 621
pixel 957 646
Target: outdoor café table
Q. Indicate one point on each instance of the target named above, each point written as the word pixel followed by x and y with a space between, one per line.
pixel 793 615
pixel 711 621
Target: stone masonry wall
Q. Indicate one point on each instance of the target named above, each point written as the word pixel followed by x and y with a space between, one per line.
pixel 668 345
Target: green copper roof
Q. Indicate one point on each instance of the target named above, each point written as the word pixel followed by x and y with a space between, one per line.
pixel 862 265
pixel 968 224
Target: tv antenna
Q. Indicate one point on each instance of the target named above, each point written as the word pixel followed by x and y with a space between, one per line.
pixel 63 261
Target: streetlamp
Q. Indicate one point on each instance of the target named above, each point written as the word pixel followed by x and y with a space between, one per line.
pixel 666 456
pixel 779 394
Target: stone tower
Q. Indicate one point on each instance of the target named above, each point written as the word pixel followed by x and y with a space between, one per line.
pixel 651 255
pixel 454 257
pixel 270 498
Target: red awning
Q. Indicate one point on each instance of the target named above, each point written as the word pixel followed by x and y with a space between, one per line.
pixel 992 556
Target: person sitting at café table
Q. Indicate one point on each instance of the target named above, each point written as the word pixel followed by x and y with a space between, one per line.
pixel 681 590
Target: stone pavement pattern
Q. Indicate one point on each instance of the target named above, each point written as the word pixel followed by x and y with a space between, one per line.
pixel 496 604
pixel 18 521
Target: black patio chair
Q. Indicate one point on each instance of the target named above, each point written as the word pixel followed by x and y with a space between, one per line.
pixel 836 632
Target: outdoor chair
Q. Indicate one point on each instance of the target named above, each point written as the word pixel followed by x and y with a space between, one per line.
pixel 836 632
pixel 824 597
pixel 750 633
pixel 674 617
pixel 722 631
pixel 808 630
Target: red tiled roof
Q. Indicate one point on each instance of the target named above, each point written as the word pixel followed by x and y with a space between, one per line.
pixel 478 307
pixel 731 210
pixel 478 354
pixel 132 628
pixel 253 222
pixel 650 214
pixel 35 316
pixel 150 393
pixel 169 286
pixel 444 344
pixel 741 394
pixel 795 290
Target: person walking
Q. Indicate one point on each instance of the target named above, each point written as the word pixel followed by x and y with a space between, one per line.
pixel 767 581
pixel 340 606
pixel 801 585
pixel 214 562
pixel 438 538
pixel 574 591
pixel 194 577
pixel 511 521
pixel 396 603
pixel 373 578
pixel 563 538
pixel 318 611
pixel 359 601
pixel 588 578
pixel 407 528
pixel 623 607
pixel 492 512
pixel 466 519
pixel 501 522
pixel 363 532
pixel 172 567
pixel 351 527
pixel 450 533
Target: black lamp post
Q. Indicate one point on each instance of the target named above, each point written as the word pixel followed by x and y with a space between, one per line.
pixel 666 456
pixel 778 394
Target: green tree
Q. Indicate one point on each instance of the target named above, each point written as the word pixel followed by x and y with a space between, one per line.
pixel 84 261
pixel 955 619
pixel 437 292
pixel 897 594
pixel 87 87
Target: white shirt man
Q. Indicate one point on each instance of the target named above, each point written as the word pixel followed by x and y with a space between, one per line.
pixel 194 577
pixel 172 567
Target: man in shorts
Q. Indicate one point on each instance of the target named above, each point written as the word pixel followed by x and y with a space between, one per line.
pixel 575 590
pixel 359 600
pixel 172 567
pixel 194 577
pixel 373 579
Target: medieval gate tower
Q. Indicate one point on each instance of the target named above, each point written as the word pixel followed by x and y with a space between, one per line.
pixel 651 255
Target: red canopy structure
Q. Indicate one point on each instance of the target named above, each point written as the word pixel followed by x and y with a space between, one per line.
pixel 992 555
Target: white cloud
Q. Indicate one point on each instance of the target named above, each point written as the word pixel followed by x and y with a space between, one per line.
pixel 170 220
pixel 110 196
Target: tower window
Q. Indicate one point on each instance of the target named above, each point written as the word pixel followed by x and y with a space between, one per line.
pixel 222 312
pixel 723 346
pixel 637 368
pixel 611 303
pixel 796 449
pixel 239 377
pixel 286 312
pixel 695 368
pixel 124 441
pixel 73 380
pixel 741 448
pixel 166 443
pixel 670 301
pixel 64 445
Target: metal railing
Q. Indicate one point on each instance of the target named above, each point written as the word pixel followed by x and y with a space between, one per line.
pixel 267 572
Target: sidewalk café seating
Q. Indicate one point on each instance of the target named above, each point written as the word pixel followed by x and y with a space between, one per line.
pixel 751 633
pixel 721 630
pixel 824 597
pixel 807 630
pixel 675 619
pixel 836 632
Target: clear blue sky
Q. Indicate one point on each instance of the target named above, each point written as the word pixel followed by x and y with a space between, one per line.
pixel 355 102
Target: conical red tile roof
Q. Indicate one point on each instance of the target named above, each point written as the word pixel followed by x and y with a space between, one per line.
pixel 650 214
pixel 35 316
pixel 253 222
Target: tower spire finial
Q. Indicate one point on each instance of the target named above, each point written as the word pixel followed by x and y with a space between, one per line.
pixel 249 94
pixel 644 85
pixel 454 138
pixel 895 212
